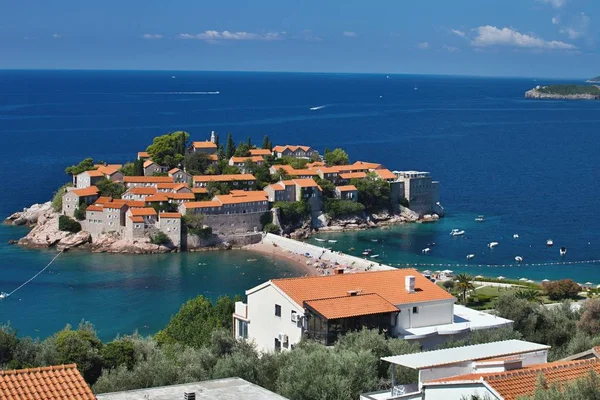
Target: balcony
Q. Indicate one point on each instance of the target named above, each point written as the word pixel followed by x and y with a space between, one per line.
pixel 241 310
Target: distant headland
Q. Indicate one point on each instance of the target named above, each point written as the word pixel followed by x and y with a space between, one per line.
pixel 563 91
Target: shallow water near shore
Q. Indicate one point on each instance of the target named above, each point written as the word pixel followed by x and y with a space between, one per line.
pixel 528 166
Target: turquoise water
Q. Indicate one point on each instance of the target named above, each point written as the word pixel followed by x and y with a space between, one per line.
pixel 529 166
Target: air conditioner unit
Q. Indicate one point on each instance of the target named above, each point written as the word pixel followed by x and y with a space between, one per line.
pixel 294 317
pixel 283 338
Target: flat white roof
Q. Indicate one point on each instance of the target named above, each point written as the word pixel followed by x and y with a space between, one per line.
pixel 466 353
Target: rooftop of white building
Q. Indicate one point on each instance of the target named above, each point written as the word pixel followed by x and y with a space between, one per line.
pixel 435 358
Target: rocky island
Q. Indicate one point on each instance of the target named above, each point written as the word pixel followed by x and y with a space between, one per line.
pixel 188 196
pixel 569 92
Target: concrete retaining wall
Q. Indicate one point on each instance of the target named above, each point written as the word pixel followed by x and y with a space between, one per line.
pixel 226 224
pixel 319 253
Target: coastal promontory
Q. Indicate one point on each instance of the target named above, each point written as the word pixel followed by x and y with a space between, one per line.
pixel 569 92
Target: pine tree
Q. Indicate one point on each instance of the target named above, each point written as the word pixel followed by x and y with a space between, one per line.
pixel 230 148
pixel 265 144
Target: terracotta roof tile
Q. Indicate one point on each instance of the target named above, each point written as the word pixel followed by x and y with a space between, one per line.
pixel 59 382
pixel 95 207
pixel 148 163
pixel 147 179
pixel 255 159
pixel 199 190
pixel 174 170
pixel 135 203
pixel 385 174
pixel 136 218
pixel 346 188
pixel 365 164
pixel 280 149
pixel 169 215
pixel 143 154
pixel 156 197
pixel 233 199
pixel 353 175
pixel 306 183
pixel 201 204
pixel 93 173
pixel 102 199
pixel 167 185
pixel 88 191
pixel 118 203
pixel 147 191
pixel 390 285
pixel 204 145
pixel 514 384
pixel 224 178
pixel 351 306
pixel 142 211
pixel 179 196
pixel 260 152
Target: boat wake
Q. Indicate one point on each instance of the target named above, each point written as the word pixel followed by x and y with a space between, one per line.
pixel 317 108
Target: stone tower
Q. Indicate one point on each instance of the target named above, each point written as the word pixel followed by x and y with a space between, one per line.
pixel 212 137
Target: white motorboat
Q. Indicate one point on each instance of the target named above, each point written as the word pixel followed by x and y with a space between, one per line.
pixel 456 232
pixel 365 253
pixel 3 295
pixel 332 241
pixel 519 259
pixel 319 240
pixel 549 242
pixel 426 250
pixel 563 251
pixel 375 256
pixel 479 218
pixel 493 244
pixel 374 240
pixel 516 236
pixel 470 256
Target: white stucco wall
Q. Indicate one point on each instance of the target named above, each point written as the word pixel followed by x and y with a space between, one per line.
pixel 265 326
pixel 447 392
pixel 428 315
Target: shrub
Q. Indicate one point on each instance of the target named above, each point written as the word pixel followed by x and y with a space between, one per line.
pixel 271 228
pixel 58 195
pixel 293 213
pixel 80 212
pixel 340 208
pixel 449 284
pixel 160 238
pixel 67 224
pixel 589 321
pixel 562 289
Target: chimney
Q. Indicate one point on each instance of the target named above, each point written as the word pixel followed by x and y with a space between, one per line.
pixel 338 271
pixel 189 396
pixel 409 283
pixel 352 292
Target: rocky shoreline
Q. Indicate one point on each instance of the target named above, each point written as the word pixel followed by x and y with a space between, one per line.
pixel 536 94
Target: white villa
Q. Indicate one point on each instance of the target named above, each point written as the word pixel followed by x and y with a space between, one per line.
pixel 402 303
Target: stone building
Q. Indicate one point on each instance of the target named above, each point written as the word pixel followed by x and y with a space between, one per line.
pixel 348 192
pixel 420 190
pixel 73 198
pixel 151 168
pixel 295 151
pixel 180 176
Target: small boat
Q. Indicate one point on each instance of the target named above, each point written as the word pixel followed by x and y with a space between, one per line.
pixel 375 256
pixel 563 251
pixel 493 244
pixel 426 250
pixel 173 77
pixel 456 232
pixel 369 250
pixel 374 240
pixel 3 295
pixel 479 218
pixel 470 256
pixel 519 259
pixel 365 253
pixel 252 260
pixel 516 236
pixel 549 242
pixel 317 108
pixel 351 249
pixel 319 240
pixel 332 241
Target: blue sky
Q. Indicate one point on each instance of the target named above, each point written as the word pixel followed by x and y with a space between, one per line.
pixel 541 38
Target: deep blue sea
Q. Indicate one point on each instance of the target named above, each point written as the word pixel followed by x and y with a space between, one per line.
pixel 529 166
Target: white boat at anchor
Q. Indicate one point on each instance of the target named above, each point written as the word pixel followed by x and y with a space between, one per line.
pixel 426 250
pixel 519 259
pixel 549 242
pixel 375 256
pixel 516 236
pixel 332 241
pixel 493 244
pixel 319 240
pixel 3 295
pixel 563 251
pixel 456 232
pixel 470 256
pixel 480 218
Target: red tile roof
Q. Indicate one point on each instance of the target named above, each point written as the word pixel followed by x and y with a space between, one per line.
pixel 365 164
pixel 88 191
pixel 255 159
pixel 135 203
pixel 390 285
pixel 346 188
pixel 109 169
pixel 201 204
pixel 353 175
pixel 148 163
pixel 385 174
pixel 143 154
pixel 147 191
pixel 351 306
pixel 174 170
pixel 199 190
pixel 147 179
pixel 236 199
pixel 95 207
pixel 514 384
pixel 306 183
pixel 169 215
pixel 179 196
pixel 156 198
pixel 118 203
pixel 167 185
pixel 94 173
pixel 204 145
pixel 59 382
pixel 224 178
pixel 102 199
pixel 260 152
pixel 279 149
pixel 136 218
pixel 142 211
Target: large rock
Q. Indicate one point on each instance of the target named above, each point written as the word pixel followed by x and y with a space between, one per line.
pixel 113 243
pixel 74 240
pixel 29 216
pixel 45 233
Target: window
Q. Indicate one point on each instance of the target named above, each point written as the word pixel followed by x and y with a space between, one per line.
pixel 242 329
pixel 294 316
pixel 277 310
pixel 277 345
pixel 415 310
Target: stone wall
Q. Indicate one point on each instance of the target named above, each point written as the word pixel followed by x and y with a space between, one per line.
pixel 226 224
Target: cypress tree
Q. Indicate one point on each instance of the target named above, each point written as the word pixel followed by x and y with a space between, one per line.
pixel 265 144
pixel 230 148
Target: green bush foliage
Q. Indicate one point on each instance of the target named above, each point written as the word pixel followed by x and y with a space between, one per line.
pixel 110 188
pixel 169 150
pixel 67 224
pixel 271 228
pixel 80 212
pixel 561 289
pixel 58 195
pixel 196 163
pixel 293 213
pixel 160 238
pixel 336 157
pixel 373 193
pixel 340 208
pixel 85 165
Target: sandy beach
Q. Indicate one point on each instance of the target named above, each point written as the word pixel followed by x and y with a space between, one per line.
pixel 298 260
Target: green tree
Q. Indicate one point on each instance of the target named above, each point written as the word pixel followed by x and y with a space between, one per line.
pixel 196 320
pixel 128 169
pixel 230 147
pixel 339 208
pixel 85 165
pixel 82 347
pixel 327 186
pixel 266 143
pixel 138 168
pixel 336 157
pixel 58 195
pixel 8 343
pixel 169 149
pixel 561 289
pixel 373 193
pixel 243 150
pixel 589 322
pixel 160 238
pixel 249 142
pixel 118 352
pixel 293 213
pixel 79 213
pixel 67 224
pixel 217 140
pixel 464 284
pixel 271 228
pixel 110 188
pixel 196 163
pixel 528 294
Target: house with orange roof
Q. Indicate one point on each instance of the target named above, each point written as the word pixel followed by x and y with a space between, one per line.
pixel 207 147
pixel 180 176
pixel 240 162
pixel 57 382
pixel 385 174
pixel 139 193
pixel 293 172
pixel 143 155
pixel 170 224
pixel 145 181
pixel 296 151
pixel 236 181
pixel 73 198
pixel 296 190
pixel 260 152
pixel 401 302
pixel 347 176
pixel 151 168
pixel 111 171
pixel 88 178
pixel 346 192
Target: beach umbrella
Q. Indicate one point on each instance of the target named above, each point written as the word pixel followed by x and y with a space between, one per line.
pixel 530 281
pixel 479 277
pixel 447 271
pixel 523 279
pixel 598 287
pixel 427 272
pixel 500 277
pixel 589 283
pixel 545 280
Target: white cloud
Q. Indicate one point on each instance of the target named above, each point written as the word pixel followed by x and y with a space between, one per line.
pixel 577 27
pixel 555 20
pixel 492 36
pixel 450 49
pixel 571 33
pixel 459 33
pixel 555 3
pixel 215 36
pixel 55 36
pixel 349 34
pixel 152 36
pixel 423 45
